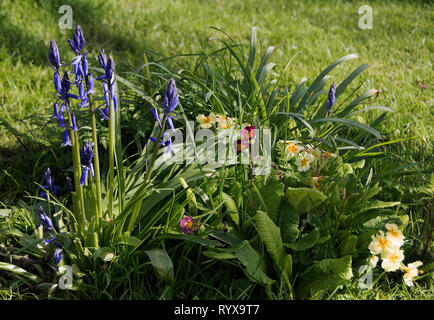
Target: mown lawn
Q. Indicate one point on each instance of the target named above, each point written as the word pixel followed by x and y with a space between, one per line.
pixel 315 33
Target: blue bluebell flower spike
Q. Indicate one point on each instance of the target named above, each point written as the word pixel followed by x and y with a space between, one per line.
pixel 331 98
pixel 87 155
pixel 58 255
pixel 45 220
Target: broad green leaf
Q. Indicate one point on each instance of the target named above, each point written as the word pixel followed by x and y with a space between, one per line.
pixel 271 194
pixel 19 271
pixel 307 241
pixel 5 212
pixel 304 199
pixel 326 274
pixel 288 222
pixel 253 264
pixel 105 253
pixel 231 207
pixel 223 255
pixel 162 264
pixel 271 237
pixel 348 245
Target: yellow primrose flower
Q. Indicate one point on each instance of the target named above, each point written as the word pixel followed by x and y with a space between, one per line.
pixel 303 160
pixel 293 148
pixel 392 259
pixel 379 243
pixel 411 272
pixel 206 122
pixel 316 153
pixel 394 235
pixel 373 260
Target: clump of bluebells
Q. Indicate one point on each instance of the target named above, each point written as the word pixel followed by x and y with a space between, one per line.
pixel 74 89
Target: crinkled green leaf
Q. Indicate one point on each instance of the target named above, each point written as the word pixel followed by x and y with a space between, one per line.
pixel 304 199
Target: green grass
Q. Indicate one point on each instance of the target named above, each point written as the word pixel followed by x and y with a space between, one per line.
pixel 398 49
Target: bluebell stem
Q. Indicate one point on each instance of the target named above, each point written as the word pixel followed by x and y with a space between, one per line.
pixel 50 186
pixel 331 98
pixel 45 220
pixel 86 161
pixel 58 255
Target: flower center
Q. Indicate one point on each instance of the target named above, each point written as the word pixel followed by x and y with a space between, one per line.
pixel 382 243
pixel 394 233
pixel 304 162
pixel 188 225
pixel 206 120
pixel 292 148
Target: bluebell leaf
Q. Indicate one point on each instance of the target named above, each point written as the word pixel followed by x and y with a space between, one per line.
pixel 58 255
pixel 156 116
pixel 66 140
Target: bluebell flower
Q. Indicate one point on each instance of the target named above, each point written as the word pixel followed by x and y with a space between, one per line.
pixel 74 123
pixel 77 42
pixel 109 79
pixel 86 161
pixel 45 220
pixel 58 255
pixel 47 242
pixel 165 142
pixel 49 186
pixel 53 56
pixel 105 113
pixel 331 98
pixel 170 97
pixel 66 140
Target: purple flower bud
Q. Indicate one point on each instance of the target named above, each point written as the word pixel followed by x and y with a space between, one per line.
pixel 47 242
pixel 58 255
pixel 87 154
pixel 66 140
pixel 77 42
pixel 91 84
pixel 60 115
pixel 83 177
pixel 55 111
pixel 105 113
pixel 156 116
pixel 110 70
pixel 170 97
pixel 331 98
pixel 57 82
pixel 74 123
pixel 85 66
pixel 102 59
pixel 53 55
pixel 45 220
